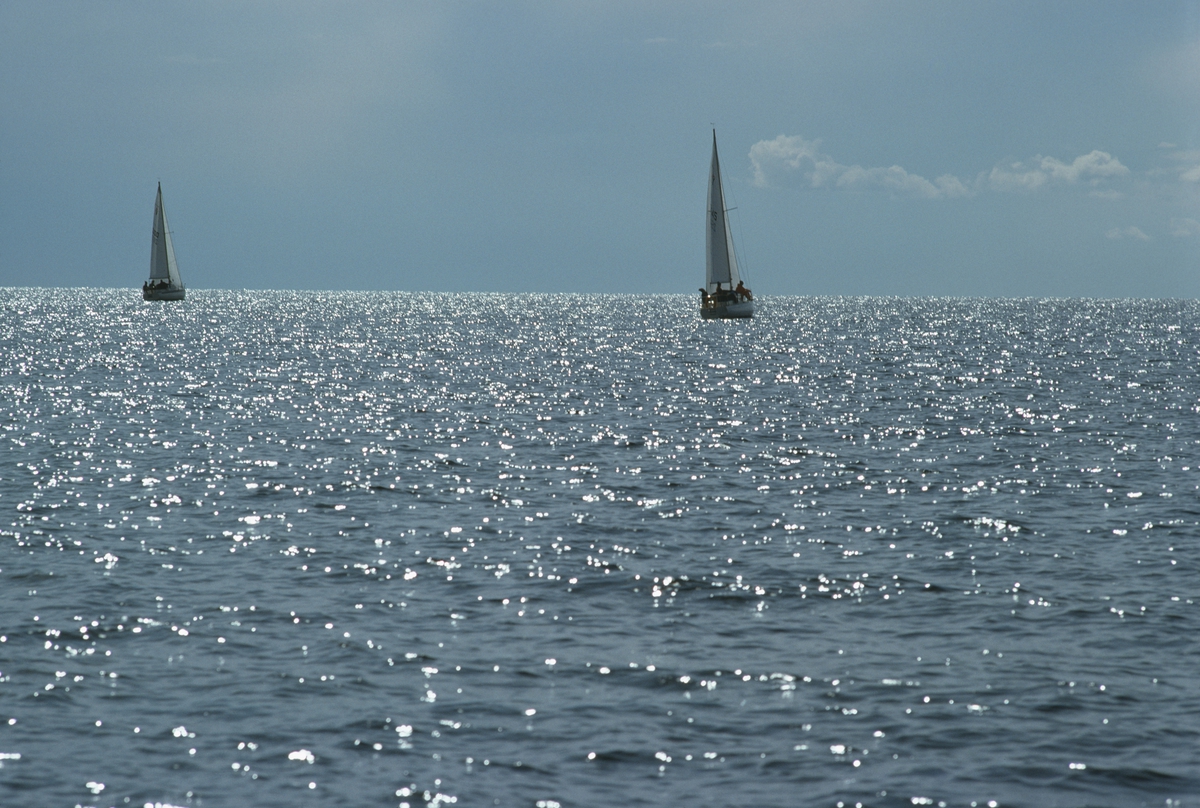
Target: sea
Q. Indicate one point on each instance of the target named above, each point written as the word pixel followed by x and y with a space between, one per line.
pixel 555 550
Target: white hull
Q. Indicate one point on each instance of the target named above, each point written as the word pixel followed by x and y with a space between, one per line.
pixel 728 311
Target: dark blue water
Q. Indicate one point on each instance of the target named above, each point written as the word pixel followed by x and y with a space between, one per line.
pixel 287 549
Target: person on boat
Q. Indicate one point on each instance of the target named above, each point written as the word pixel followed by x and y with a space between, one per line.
pixel 743 292
pixel 703 297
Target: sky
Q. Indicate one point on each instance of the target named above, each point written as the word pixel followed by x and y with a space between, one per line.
pixel 905 148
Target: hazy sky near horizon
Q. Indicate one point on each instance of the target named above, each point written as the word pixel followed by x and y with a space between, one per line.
pixel 870 148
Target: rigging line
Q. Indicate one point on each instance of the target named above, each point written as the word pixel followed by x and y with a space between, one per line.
pixel 743 262
pixel 743 267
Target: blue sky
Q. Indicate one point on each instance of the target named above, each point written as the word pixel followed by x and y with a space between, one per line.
pixel 900 148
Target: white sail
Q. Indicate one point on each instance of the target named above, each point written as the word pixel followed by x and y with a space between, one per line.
pixel 723 296
pixel 162 251
pixel 720 262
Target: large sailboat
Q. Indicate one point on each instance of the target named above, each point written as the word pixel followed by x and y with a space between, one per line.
pixel 164 283
pixel 724 295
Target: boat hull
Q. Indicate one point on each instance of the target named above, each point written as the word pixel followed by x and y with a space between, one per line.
pixel 741 310
pixel 162 294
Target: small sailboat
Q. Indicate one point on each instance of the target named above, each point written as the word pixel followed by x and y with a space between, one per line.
pixel 164 283
pixel 724 296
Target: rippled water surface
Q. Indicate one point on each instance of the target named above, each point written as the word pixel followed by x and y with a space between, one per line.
pixel 288 549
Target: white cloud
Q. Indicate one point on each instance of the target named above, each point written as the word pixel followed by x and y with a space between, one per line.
pixel 1184 227
pixel 1016 177
pixel 897 179
pixel 787 158
pixel 781 155
pixel 1187 164
pixel 1127 232
pixel 1093 167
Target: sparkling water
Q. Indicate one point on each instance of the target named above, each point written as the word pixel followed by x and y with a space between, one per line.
pixel 326 549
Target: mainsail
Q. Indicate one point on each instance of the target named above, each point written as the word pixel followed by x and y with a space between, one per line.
pixel 162 251
pixel 720 262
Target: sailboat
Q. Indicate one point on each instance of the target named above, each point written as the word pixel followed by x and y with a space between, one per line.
pixel 164 283
pixel 724 296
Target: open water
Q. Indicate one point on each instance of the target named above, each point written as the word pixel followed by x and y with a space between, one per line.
pixel 306 549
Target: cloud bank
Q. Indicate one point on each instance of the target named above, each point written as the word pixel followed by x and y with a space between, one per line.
pixel 787 158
